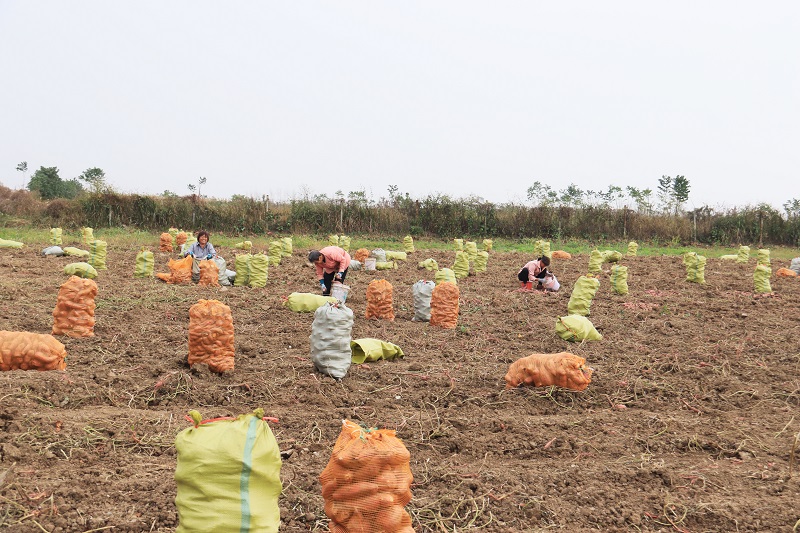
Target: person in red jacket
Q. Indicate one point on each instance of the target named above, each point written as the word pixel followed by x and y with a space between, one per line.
pixel 332 263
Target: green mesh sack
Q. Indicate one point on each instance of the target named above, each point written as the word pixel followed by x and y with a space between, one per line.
pixel 275 254
pixel 633 249
pixel 258 269
pixel 369 350
pixel 76 252
pixel 481 260
pixel 82 270
pixel 461 265
pixel 546 249
pixel 408 244
pixel 611 256
pixel 242 265
pixel 10 244
pixel 761 279
pixel 582 295
pixel 97 254
pixel 145 261
pixel 459 244
pixel 444 274
pixel 385 265
pixel 333 240
pixel 287 246
pixel 576 328
pixel 619 279
pixel 55 236
pixel 228 475
pixel 487 245
pixel 695 267
pixel 471 247
pixel 87 235
pixel 395 256
pixel 344 243
pixel 743 256
pixel 306 302
pixel 595 262
pixel 762 257
pixel 429 264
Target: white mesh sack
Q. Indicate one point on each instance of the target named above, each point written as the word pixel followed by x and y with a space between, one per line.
pixel 422 291
pixel 223 275
pixel 331 333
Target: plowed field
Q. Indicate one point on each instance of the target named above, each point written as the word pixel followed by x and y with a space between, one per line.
pixel 688 425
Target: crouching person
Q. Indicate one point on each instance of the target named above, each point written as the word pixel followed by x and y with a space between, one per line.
pixel 202 249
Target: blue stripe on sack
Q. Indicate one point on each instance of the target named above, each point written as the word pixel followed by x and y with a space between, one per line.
pixel 244 480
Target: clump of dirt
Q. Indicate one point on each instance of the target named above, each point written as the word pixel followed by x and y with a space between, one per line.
pixel 688 423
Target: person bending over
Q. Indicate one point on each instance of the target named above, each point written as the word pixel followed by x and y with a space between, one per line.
pixel 332 263
pixel 534 272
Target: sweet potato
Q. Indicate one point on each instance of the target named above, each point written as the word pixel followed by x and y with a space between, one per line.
pixel 73 315
pixel 20 350
pixel 541 370
pixel 211 335
pixel 379 300
pixel 367 481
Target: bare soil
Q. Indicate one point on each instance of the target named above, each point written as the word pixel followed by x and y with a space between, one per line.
pixel 688 425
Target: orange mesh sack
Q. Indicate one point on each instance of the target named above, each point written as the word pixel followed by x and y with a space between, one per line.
pixel 180 238
pixel 211 335
pixel 361 254
pixel 785 273
pixel 379 300
pixel 209 273
pixel 544 369
pixel 367 482
pixel 444 305
pixel 165 242
pixel 74 312
pixel 20 350
pixel 180 270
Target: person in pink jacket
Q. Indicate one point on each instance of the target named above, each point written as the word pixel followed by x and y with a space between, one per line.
pixel 534 271
pixel 332 263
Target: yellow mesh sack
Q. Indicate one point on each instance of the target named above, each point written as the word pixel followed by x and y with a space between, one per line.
pixel 444 274
pixel 275 254
pixel 367 482
pixel 145 261
pixel 228 475
pixel 761 277
pixel 379 300
pixel 487 245
pixel 73 315
pixel 429 264
pixel 55 236
pixel 582 295
pixel 305 302
pixel 21 350
pixel 595 262
pixel 481 261
pixel 459 244
pixel 87 235
pixel 211 335
pixel 471 248
pixel 633 249
pixel 83 270
pixel 461 265
pixel 287 246
pixel 344 243
pixel 408 244
pixel 743 255
pixel 98 250
pixel 619 279
pixel 444 305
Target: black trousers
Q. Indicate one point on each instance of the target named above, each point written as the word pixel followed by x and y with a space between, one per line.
pixel 524 274
pixel 328 279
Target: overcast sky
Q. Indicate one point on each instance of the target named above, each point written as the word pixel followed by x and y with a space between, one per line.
pixel 454 97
